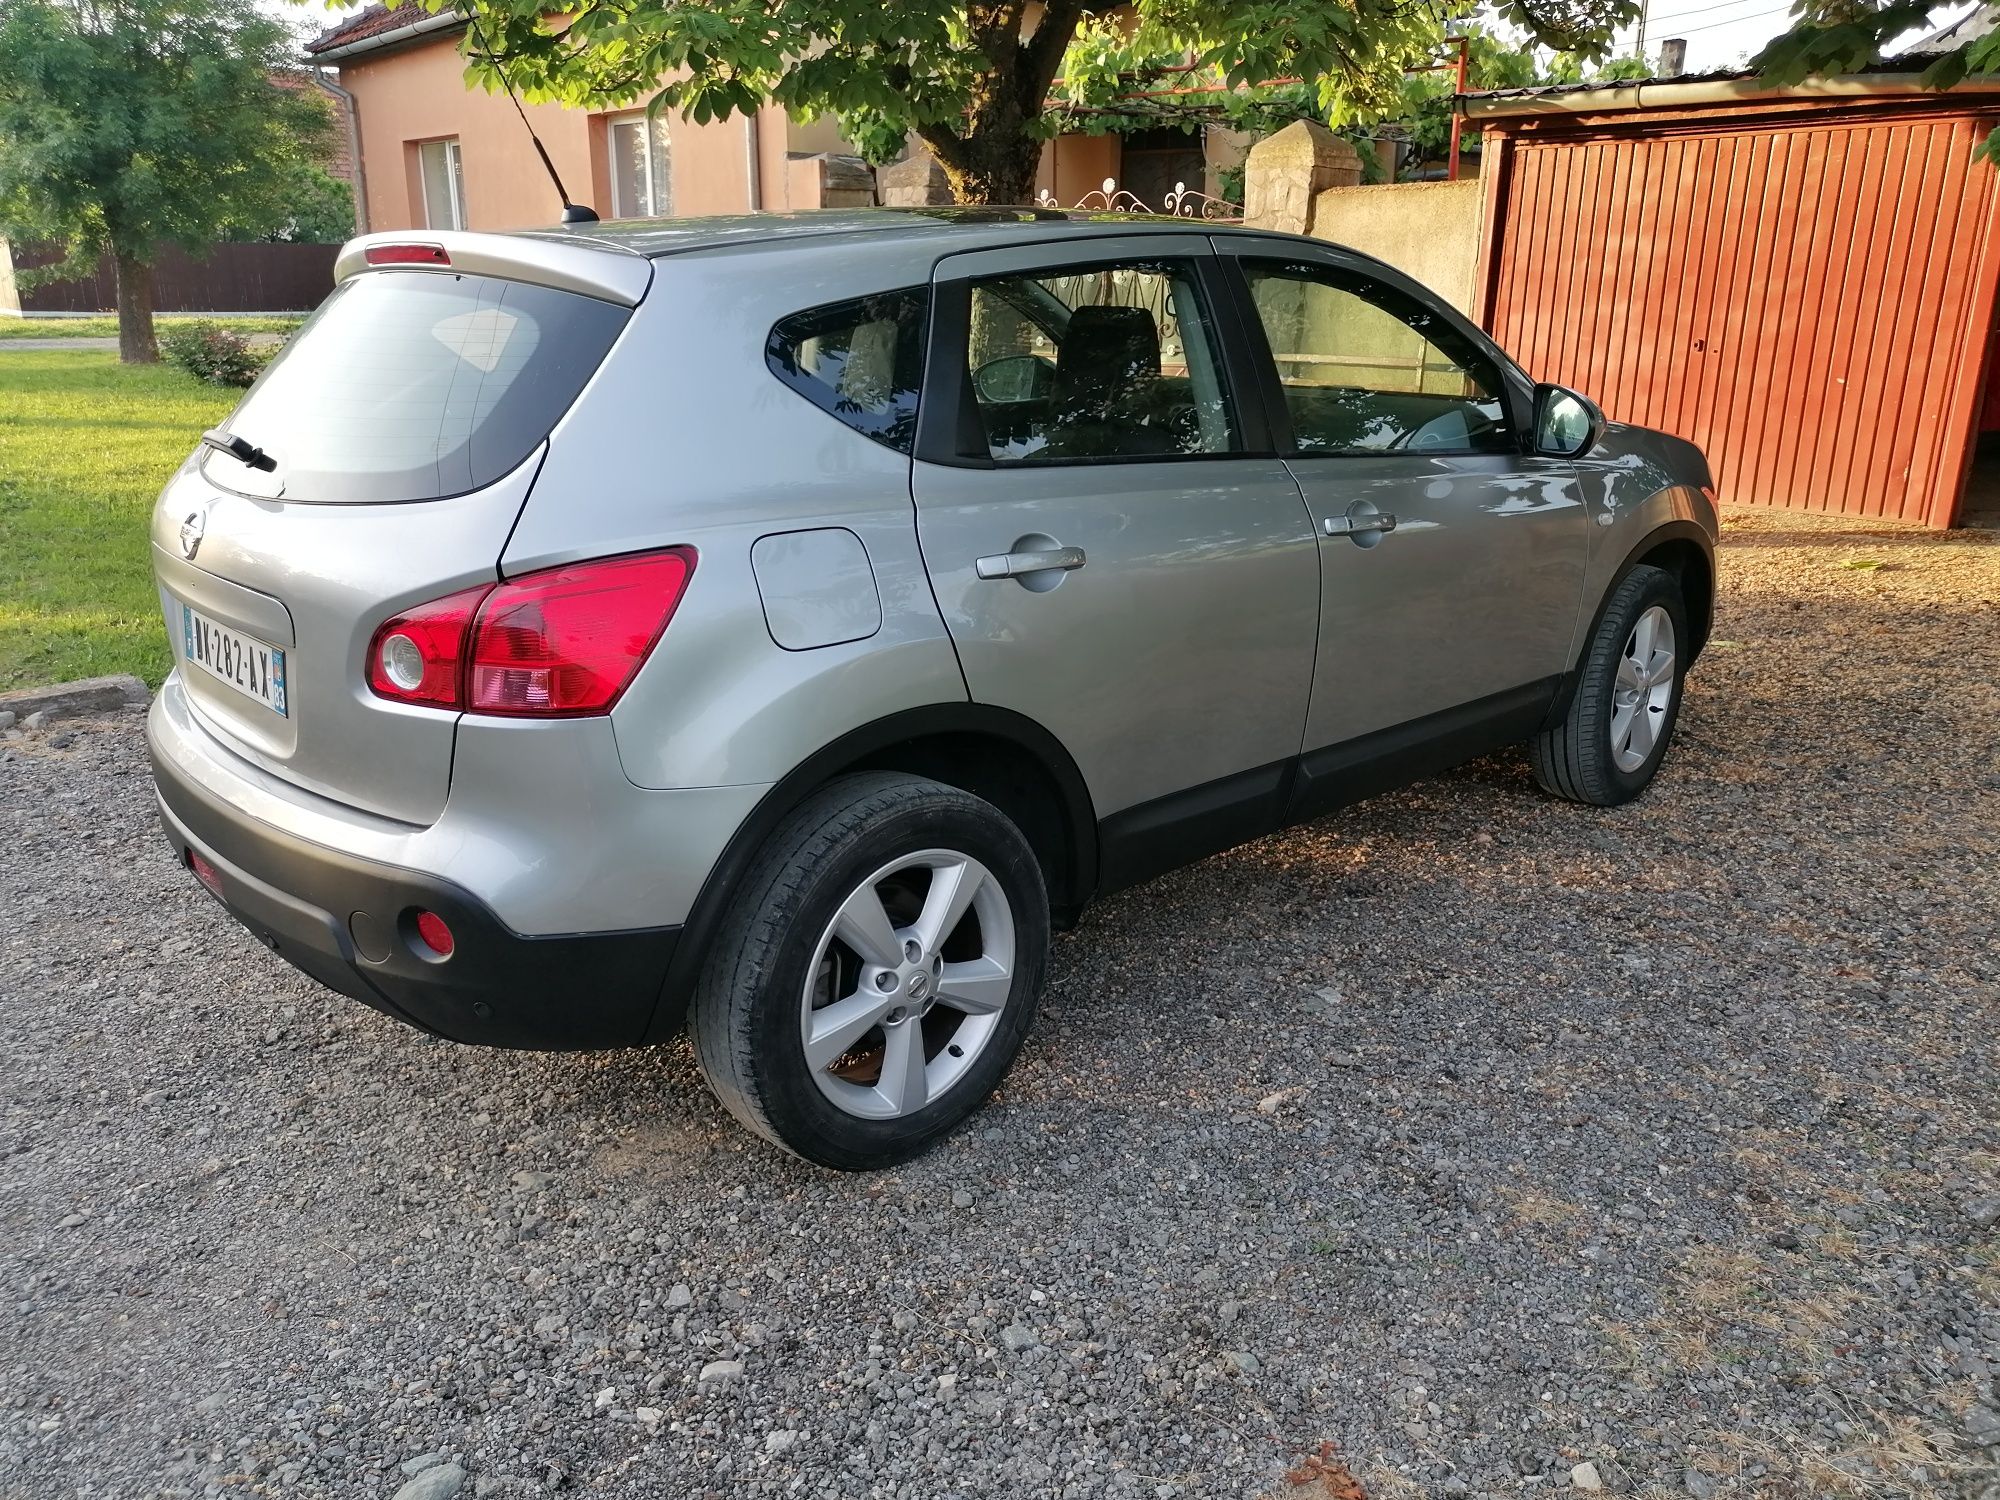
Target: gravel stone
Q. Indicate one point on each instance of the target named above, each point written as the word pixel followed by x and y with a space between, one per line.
pixel 41 718
pixel 439 1483
pixel 1584 1476
pixel 718 1370
pixel 1018 1337
pixel 1763 992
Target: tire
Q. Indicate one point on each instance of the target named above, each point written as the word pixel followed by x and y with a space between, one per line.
pixel 802 961
pixel 1594 753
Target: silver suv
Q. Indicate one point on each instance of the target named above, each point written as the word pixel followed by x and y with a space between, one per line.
pixel 778 625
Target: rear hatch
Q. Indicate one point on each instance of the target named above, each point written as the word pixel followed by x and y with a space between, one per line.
pixel 389 450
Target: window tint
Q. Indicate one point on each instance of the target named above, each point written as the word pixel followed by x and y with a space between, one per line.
pixel 1366 369
pixel 1106 363
pixel 413 385
pixel 862 361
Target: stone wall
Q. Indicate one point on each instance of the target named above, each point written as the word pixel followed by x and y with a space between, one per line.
pixel 1426 230
pixel 1306 180
pixel 828 180
pixel 1285 172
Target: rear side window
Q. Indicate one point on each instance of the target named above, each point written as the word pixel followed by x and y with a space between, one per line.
pixel 416 385
pixel 861 361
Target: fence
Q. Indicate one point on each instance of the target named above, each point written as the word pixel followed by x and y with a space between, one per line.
pixel 228 278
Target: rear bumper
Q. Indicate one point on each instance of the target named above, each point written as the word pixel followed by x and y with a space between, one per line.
pixel 346 921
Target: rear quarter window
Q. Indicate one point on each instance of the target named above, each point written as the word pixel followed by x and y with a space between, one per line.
pixel 417 385
pixel 861 361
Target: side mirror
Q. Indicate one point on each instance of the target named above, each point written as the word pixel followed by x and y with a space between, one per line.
pixel 1566 425
pixel 1014 377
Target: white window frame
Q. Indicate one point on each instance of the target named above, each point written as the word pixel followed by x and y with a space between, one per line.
pixel 651 208
pixel 454 179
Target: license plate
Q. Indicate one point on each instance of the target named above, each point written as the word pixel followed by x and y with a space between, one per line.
pixel 253 668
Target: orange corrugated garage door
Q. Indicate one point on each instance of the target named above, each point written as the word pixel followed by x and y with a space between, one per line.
pixel 1808 297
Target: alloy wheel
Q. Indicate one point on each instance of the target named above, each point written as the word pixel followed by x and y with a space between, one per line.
pixel 1643 689
pixel 907 984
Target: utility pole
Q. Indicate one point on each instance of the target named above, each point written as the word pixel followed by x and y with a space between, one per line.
pixel 1645 7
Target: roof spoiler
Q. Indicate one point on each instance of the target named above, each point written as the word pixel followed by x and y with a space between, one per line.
pixel 595 269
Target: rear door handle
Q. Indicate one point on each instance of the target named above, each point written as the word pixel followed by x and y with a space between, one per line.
pixel 1019 564
pixel 1353 525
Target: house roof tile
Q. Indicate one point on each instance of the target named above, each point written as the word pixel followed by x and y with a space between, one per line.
pixel 366 25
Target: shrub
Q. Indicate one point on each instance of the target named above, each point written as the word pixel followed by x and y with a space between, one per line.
pixel 210 352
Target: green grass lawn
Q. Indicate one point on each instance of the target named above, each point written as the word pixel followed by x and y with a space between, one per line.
pixel 85 445
pixel 107 328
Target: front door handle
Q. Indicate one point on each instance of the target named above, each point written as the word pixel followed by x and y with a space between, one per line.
pixel 1020 564
pixel 1355 525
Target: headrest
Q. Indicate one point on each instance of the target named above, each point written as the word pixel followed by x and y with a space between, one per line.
pixel 1106 349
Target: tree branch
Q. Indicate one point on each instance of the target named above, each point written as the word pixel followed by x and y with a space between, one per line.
pixel 1043 52
pixel 946 145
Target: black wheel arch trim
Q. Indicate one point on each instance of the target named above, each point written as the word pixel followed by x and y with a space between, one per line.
pixel 1069 888
pixel 1680 530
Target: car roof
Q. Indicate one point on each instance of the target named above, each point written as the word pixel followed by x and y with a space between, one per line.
pixel 961 228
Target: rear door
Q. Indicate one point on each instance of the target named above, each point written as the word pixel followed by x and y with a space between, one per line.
pixel 398 436
pixel 1117 553
pixel 1451 557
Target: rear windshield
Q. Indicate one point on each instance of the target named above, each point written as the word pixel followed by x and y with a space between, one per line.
pixel 415 385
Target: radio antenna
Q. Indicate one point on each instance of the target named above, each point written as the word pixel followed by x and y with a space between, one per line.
pixel 572 213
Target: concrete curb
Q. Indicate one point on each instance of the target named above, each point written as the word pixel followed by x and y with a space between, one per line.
pixel 91 697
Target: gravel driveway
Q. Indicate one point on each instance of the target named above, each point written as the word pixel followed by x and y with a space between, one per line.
pixel 1469 1143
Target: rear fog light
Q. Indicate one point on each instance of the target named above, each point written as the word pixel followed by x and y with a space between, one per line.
pixel 432 933
pixel 206 873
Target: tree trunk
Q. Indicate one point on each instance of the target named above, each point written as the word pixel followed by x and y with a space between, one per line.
pixel 995 166
pixel 136 345
pixel 996 157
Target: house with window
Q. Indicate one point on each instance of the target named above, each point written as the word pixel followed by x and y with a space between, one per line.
pixel 433 153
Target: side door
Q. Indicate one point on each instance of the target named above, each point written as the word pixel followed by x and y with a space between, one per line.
pixel 1451 556
pixel 1118 553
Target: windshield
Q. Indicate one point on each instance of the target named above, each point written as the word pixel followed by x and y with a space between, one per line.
pixel 413 385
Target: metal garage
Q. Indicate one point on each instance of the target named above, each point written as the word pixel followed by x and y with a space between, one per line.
pixel 1802 281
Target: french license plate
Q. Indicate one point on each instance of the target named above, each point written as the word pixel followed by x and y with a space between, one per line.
pixel 253 668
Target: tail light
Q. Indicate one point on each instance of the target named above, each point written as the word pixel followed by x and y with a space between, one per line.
pixel 417 657
pixel 561 643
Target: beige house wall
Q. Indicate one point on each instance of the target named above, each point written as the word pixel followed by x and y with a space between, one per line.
pixel 1073 165
pixel 416 92
pixel 1223 150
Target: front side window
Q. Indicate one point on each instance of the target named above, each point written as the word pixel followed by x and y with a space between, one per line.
pixel 444 184
pixel 641 169
pixel 1105 363
pixel 1366 369
pixel 861 361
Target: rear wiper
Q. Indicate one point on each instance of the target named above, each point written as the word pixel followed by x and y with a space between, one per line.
pixel 238 449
